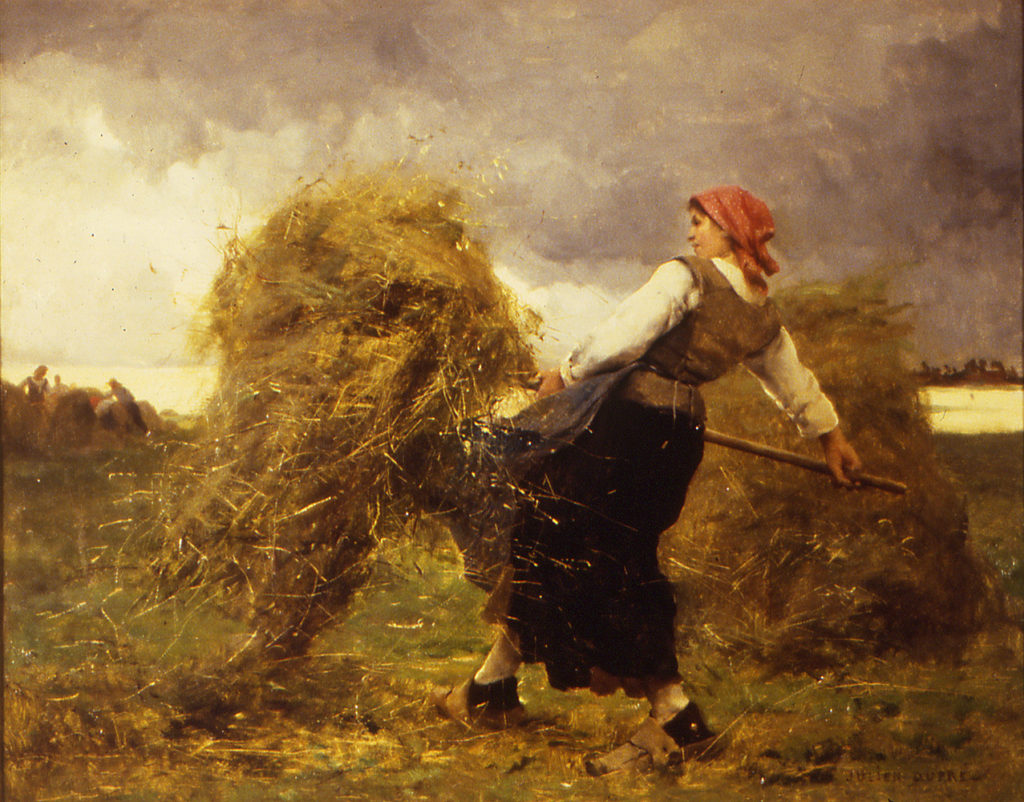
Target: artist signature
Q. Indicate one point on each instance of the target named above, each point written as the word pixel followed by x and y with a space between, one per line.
pixel 935 775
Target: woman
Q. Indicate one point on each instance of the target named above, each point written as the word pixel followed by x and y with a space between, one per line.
pixel 587 597
pixel 36 387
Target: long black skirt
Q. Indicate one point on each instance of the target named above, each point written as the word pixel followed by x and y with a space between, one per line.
pixel 587 591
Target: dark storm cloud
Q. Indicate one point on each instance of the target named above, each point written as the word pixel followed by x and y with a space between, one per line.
pixel 883 130
pixel 967 146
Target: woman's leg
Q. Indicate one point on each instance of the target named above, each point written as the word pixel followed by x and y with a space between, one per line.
pixel 674 731
pixel 679 717
pixel 489 698
pixel 666 697
pixel 502 661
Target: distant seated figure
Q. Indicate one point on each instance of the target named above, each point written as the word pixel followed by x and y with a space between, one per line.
pixel 36 387
pixel 119 395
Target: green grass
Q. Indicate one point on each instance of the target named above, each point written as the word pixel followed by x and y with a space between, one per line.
pixel 990 468
pixel 351 722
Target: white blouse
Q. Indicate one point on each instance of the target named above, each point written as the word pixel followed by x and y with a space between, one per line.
pixel 660 304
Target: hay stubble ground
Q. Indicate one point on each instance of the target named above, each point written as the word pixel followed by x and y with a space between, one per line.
pixel 351 722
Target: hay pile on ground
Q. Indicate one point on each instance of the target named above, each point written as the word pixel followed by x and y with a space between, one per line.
pixel 778 564
pixel 67 422
pixel 22 421
pixel 355 331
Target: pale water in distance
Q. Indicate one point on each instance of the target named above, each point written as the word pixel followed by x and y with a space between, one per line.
pixel 975 409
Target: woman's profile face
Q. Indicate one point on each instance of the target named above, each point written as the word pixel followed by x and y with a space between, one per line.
pixel 706 238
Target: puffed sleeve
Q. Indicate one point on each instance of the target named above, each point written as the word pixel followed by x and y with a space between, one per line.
pixel 635 324
pixel 793 387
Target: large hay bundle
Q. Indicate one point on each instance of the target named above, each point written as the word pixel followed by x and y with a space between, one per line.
pixel 777 564
pixel 72 420
pixel 355 331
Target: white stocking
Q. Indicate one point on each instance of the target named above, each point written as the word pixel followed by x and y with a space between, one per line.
pixel 667 700
pixel 501 662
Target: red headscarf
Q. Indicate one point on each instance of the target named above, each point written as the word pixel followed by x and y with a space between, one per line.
pixel 746 219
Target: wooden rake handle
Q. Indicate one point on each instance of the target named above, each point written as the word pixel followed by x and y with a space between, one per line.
pixel 808 463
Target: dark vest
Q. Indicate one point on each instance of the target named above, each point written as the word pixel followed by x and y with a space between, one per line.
pixel 710 340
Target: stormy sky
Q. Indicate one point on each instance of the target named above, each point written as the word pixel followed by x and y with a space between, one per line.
pixel 137 135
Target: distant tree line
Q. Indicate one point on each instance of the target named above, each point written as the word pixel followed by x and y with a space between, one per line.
pixel 974 371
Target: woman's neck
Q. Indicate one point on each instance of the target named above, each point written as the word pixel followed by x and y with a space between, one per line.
pixel 748 290
pixel 755 281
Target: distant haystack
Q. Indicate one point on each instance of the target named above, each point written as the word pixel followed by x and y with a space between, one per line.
pixel 355 331
pixel 72 420
pixel 22 421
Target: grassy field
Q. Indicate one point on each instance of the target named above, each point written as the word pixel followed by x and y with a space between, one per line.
pixel 86 718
